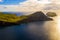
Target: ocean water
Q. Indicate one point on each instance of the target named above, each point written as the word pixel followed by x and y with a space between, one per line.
pixel 42 30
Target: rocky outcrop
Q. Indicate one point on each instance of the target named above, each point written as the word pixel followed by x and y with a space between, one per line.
pixel 37 16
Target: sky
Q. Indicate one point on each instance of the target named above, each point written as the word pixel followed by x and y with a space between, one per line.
pixel 17 2
pixel 10 2
pixel 27 5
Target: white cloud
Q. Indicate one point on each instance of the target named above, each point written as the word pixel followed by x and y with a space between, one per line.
pixel 33 5
pixel 1 0
pixel 36 1
pixel 9 8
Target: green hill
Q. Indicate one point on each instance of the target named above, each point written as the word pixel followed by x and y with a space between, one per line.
pixel 10 17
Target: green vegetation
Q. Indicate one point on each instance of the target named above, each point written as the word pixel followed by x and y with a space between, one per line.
pixel 51 14
pixel 10 17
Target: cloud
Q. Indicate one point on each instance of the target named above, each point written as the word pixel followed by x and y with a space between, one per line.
pixel 33 5
pixel 55 1
pixel 26 6
pixel 1 0
pixel 29 6
pixel 52 7
pixel 36 5
pixel 9 8
pixel 35 1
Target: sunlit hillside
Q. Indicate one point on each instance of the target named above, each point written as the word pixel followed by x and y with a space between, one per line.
pixel 10 17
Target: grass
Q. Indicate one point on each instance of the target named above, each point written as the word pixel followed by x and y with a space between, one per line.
pixel 11 17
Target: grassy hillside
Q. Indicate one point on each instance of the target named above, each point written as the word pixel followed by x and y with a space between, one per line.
pixel 10 17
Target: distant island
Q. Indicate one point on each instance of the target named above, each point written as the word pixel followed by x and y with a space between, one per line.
pixel 8 19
